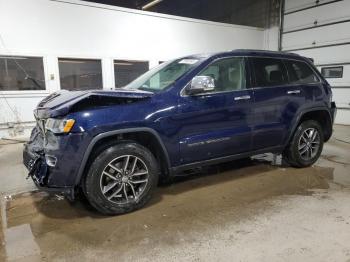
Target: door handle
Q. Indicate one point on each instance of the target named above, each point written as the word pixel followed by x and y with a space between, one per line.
pixel 291 92
pixel 242 97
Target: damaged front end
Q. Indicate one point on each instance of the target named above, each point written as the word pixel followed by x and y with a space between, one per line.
pixel 62 134
pixel 37 167
pixel 63 102
pixel 35 160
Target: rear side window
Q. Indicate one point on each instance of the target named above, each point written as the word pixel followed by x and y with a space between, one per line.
pixel 269 72
pixel 300 73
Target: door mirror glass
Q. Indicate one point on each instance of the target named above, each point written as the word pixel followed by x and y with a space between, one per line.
pixel 201 84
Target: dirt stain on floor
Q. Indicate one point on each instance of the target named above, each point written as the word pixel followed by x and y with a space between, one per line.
pixel 177 213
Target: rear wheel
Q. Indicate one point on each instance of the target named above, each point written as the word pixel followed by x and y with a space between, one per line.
pixel 306 145
pixel 121 179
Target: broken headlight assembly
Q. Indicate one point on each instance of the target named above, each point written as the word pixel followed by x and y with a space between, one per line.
pixel 59 126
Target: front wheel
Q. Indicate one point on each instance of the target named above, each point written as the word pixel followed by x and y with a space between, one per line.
pixel 121 179
pixel 306 145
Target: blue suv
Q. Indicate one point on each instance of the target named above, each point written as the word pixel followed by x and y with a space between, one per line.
pixel 186 113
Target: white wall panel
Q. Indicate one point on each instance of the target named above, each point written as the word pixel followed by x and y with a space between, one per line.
pixel 81 29
pixel 324 35
pixel 344 81
pixel 15 109
pixel 332 34
pixel 78 29
pixel 271 38
pixel 338 11
pixel 343 117
pixel 293 5
pixel 326 55
pixel 341 95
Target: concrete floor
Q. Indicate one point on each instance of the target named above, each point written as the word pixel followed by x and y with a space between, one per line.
pixel 241 211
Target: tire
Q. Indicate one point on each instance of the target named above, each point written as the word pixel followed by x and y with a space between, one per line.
pixel 303 151
pixel 113 189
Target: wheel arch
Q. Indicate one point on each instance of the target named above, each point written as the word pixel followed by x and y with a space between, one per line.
pixel 321 115
pixel 145 136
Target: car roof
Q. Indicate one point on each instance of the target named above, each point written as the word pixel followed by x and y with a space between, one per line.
pixel 252 52
pixel 264 52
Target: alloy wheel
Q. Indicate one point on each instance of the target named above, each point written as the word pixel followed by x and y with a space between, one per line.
pixel 309 143
pixel 124 179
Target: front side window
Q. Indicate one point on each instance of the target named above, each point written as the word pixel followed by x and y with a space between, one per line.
pixel 228 74
pixel 21 73
pixel 269 72
pixel 164 75
pixel 80 74
pixel 300 73
pixel 126 71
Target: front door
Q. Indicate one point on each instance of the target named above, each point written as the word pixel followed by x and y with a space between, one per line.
pixel 217 123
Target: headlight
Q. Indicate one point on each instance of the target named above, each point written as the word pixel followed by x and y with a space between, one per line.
pixel 59 126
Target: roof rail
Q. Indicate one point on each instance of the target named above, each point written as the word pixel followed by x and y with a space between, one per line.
pixel 264 51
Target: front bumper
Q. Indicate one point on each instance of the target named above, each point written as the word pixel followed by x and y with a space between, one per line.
pixel 39 172
pixel 35 163
pixel 67 149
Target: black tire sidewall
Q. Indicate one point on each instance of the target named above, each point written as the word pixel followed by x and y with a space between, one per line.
pixel 294 152
pixel 92 180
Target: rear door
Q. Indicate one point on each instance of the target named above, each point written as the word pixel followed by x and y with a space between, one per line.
pixel 276 102
pixel 302 77
pixel 217 123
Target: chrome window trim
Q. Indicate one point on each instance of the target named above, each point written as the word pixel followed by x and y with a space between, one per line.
pixel 289 84
pixel 182 92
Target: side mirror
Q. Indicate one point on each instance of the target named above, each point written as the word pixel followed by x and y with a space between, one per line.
pixel 201 84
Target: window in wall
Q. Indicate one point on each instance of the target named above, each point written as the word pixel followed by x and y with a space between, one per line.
pixel 126 71
pixel 300 73
pixel 269 72
pixel 21 73
pixel 332 72
pixel 228 74
pixel 80 74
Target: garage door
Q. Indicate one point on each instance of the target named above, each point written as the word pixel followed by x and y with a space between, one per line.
pixel 321 30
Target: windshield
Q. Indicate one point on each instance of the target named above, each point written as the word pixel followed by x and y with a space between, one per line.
pixel 162 76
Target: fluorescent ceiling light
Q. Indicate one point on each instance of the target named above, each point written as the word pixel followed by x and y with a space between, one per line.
pixel 88 75
pixel 150 4
pixel 12 57
pixel 123 63
pixel 72 61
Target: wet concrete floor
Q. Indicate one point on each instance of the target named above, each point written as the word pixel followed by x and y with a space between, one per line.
pixel 248 210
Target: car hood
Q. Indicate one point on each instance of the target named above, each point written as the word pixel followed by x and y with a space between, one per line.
pixel 60 103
